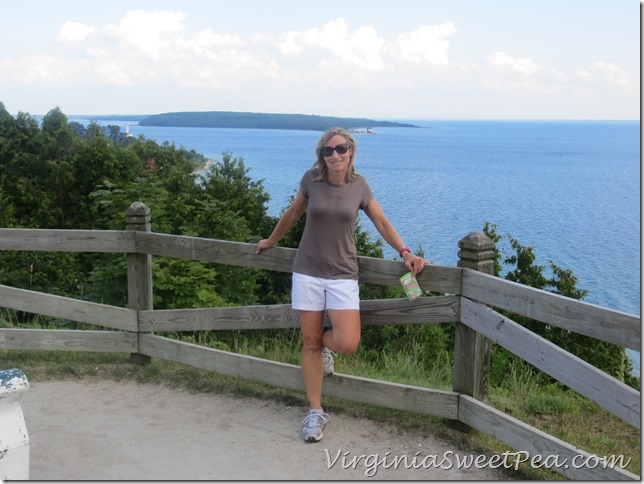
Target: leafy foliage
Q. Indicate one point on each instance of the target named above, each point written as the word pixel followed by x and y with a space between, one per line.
pixel 522 269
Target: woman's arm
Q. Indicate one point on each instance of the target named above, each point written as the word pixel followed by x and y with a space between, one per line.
pixel 289 218
pixel 373 210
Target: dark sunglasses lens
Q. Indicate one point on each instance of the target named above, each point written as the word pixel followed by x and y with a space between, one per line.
pixel 341 149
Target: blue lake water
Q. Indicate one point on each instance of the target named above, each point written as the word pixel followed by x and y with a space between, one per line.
pixel 570 189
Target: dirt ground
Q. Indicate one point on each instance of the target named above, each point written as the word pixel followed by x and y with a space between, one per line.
pixel 107 430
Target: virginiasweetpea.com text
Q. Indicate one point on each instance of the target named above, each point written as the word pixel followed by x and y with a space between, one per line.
pixel 372 463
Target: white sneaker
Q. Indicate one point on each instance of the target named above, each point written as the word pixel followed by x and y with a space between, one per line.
pixel 327 361
pixel 313 425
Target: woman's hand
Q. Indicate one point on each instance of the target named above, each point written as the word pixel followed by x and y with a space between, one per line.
pixel 414 263
pixel 263 245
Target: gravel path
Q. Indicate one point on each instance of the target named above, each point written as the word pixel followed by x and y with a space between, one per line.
pixel 108 430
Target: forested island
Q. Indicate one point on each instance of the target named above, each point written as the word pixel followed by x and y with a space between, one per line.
pixel 246 120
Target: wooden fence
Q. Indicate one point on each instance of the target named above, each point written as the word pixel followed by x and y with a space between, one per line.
pixel 469 295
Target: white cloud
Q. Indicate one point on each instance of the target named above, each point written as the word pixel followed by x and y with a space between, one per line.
pixel 334 44
pixel 522 66
pixel 206 41
pixel 74 32
pixel 36 70
pixel 149 33
pixel 115 74
pixel 425 45
pixel 558 75
pixel 584 76
pixel 612 74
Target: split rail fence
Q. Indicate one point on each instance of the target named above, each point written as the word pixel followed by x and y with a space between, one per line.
pixel 469 295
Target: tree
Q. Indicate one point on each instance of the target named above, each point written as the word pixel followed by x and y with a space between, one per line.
pixel 227 183
pixel 522 269
pixel 214 208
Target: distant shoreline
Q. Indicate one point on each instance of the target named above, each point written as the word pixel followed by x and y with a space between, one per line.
pixel 245 120
pixel 205 167
pixel 135 119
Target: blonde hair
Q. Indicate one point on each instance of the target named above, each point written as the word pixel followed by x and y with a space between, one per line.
pixel 320 165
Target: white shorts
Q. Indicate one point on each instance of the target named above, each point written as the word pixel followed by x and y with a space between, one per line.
pixel 317 294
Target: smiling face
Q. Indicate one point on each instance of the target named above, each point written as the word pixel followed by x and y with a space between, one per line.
pixel 336 152
pixel 337 163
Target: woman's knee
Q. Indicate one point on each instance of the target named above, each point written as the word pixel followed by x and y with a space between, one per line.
pixel 347 345
pixel 312 342
pixel 311 323
pixel 346 331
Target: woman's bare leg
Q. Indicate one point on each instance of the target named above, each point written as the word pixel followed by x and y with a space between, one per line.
pixel 312 324
pixel 343 338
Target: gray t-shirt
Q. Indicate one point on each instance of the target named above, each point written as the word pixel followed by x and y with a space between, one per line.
pixel 328 248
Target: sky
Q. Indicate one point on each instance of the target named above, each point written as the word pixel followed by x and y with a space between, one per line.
pixel 402 59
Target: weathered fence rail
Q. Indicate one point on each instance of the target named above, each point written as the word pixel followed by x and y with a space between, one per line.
pixel 68 308
pixel 580 317
pixel 68 240
pixel 467 301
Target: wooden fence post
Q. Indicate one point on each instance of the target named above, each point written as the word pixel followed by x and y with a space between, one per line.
pixel 139 268
pixel 471 349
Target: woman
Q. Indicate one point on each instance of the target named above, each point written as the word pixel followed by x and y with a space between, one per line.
pixel 325 270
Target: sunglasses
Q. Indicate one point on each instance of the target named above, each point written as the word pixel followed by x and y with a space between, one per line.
pixel 341 149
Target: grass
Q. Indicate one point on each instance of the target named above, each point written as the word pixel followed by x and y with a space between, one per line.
pixel 566 415
pixel 553 409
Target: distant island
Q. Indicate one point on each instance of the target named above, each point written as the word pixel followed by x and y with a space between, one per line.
pixel 228 119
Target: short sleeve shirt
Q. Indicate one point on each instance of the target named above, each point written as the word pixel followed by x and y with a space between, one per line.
pixel 328 248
